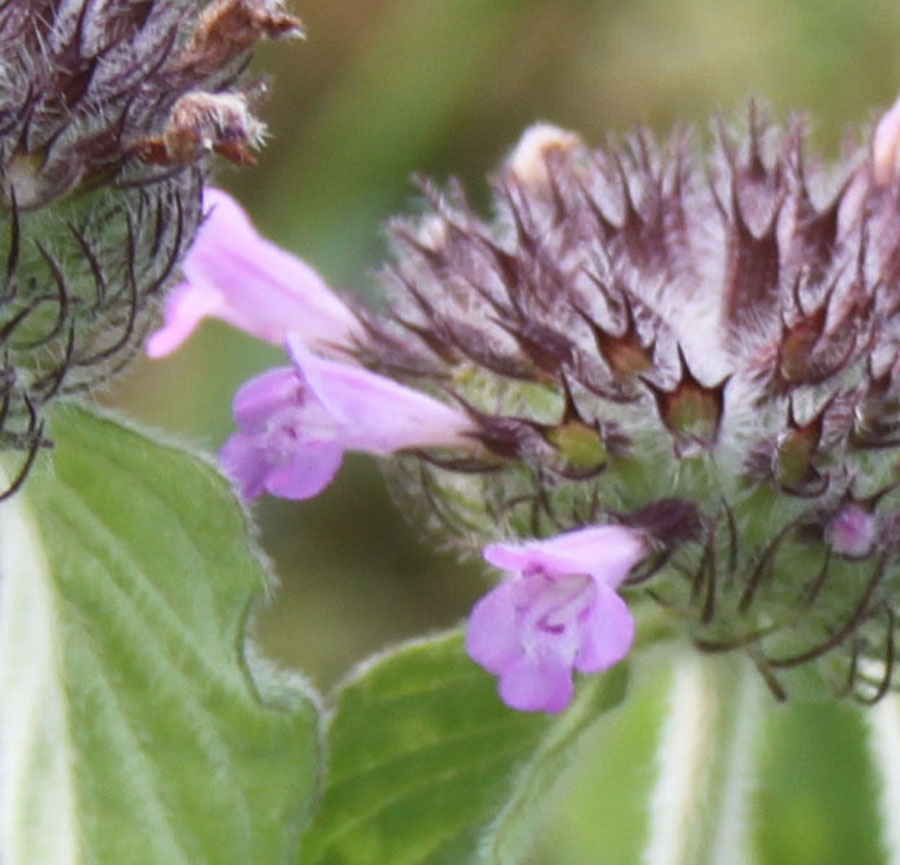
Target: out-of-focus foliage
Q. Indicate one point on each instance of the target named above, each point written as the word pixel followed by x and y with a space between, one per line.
pixel 386 88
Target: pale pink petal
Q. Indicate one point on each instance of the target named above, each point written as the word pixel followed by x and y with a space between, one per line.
pixel 243 459
pixel 492 635
pixel 606 553
pixel 308 473
pixel 296 423
pixel 240 277
pixel 288 444
pixel 187 304
pixel 258 399
pixel 257 467
pixel 508 557
pixel 559 612
pixel 537 684
pixel 607 632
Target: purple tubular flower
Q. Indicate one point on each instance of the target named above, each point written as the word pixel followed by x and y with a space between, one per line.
pixel 558 611
pixel 233 274
pixel 295 423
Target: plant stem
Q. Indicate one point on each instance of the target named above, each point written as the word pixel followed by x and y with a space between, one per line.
pixel 883 720
pixel 706 759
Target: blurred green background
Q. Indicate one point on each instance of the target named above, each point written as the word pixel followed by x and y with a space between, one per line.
pixel 385 88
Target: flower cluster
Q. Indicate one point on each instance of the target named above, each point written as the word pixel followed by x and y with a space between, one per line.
pixel 649 355
pixel 295 422
pixel 557 612
pixel 108 112
pixel 650 321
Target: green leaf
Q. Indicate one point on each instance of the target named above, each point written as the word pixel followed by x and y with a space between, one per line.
pixel 135 730
pixel 603 816
pixel 427 766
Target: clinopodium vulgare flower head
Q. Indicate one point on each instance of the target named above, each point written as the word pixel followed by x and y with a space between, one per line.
pixel 107 114
pixel 700 346
pixel 690 354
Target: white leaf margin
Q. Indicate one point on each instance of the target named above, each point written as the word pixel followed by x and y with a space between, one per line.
pixel 38 820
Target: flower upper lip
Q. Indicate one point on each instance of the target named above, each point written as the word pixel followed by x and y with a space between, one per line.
pixel 233 273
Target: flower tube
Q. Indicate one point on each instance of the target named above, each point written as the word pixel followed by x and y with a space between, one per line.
pixel 234 274
pixel 295 423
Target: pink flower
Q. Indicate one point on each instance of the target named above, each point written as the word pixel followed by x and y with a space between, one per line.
pixel 558 612
pixel 852 532
pixel 295 423
pixel 233 274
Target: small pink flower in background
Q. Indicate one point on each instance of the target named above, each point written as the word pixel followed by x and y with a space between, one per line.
pixel 558 612
pixel 852 532
pixel 295 423
pixel 233 274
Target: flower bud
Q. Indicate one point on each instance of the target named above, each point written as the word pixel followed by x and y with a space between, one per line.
pixel 528 162
pixel 852 532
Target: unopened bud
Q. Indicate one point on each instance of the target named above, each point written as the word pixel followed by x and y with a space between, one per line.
pixel 852 532
pixel 528 161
